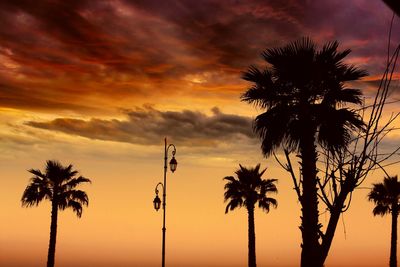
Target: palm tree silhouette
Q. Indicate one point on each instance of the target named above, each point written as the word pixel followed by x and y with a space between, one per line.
pixel 56 184
pixel 304 95
pixel 248 189
pixel 386 197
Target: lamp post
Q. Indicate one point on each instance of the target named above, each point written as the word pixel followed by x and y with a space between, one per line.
pixel 157 201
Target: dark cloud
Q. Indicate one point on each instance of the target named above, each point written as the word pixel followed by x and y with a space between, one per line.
pixel 55 34
pixel 234 32
pixel 112 50
pixel 148 125
pixel 52 50
pixel 360 25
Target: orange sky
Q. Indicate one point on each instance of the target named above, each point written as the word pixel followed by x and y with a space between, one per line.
pixel 100 83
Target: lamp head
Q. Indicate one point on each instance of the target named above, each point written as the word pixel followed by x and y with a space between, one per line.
pixel 157 203
pixel 173 164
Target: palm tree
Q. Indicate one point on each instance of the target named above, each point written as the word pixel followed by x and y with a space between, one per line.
pixel 303 94
pixel 386 197
pixel 248 189
pixel 56 184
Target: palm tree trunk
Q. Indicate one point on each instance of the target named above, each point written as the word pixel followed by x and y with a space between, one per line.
pixel 393 241
pixel 251 237
pixel 53 235
pixel 311 252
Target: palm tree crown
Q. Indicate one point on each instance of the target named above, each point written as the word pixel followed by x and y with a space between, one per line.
pixel 303 90
pixel 248 189
pixel 56 184
pixel 386 196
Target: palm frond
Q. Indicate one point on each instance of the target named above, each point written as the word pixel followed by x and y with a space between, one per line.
pixel 352 73
pixel 381 210
pixel 64 198
pixel 74 182
pixel 234 204
pixel 336 133
pixel 342 96
pixel 37 173
pixel 34 193
pixel 272 127
pixel 265 203
pixel 76 207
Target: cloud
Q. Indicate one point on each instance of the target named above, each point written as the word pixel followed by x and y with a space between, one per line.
pixel 228 34
pixel 14 95
pixel 58 25
pixel 130 49
pixel 147 125
pixel 148 38
pixel 113 52
pixel 361 25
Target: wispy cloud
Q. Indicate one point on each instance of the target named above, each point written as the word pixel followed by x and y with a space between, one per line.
pixel 148 125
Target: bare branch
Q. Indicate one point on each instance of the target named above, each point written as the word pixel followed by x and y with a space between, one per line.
pixel 290 170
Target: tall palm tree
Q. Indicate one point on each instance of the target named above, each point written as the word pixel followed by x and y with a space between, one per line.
pixel 56 184
pixel 386 197
pixel 245 191
pixel 303 93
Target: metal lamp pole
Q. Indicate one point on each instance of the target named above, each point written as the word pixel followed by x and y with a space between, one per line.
pixel 173 164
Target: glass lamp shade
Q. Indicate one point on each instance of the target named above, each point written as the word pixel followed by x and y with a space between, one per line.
pixel 157 203
pixel 173 164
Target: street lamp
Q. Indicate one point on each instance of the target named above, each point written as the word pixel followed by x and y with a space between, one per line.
pixel 157 201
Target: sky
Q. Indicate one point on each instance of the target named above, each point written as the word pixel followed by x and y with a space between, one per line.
pixel 99 84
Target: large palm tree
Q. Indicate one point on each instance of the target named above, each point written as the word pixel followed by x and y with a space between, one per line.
pixel 303 92
pixel 245 191
pixel 57 184
pixel 386 197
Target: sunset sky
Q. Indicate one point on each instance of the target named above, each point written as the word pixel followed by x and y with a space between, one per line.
pixel 99 84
